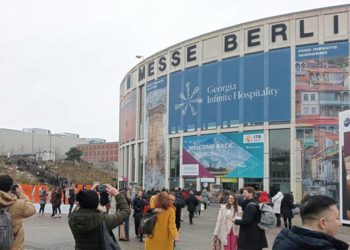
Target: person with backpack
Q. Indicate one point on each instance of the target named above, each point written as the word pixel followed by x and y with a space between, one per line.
pixel 164 231
pixel 205 198
pixel 12 211
pixel 250 234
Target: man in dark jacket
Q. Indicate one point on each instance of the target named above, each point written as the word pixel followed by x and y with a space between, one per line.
pixel 320 218
pixel 85 221
pixel 191 203
pixel 250 235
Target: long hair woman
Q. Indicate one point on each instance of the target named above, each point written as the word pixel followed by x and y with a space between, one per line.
pixel 225 228
pixel 165 232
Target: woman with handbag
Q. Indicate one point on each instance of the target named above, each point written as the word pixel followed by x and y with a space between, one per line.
pixel 225 233
pixel 87 223
pixel 164 231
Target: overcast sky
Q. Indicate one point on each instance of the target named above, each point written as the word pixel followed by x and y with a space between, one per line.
pixel 61 62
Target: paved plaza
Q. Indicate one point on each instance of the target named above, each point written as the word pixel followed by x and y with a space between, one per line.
pixel 54 233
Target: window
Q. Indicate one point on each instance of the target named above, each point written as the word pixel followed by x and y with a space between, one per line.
pixel 313 111
pixel 313 97
pixel 280 160
pixel 305 110
pixel 305 97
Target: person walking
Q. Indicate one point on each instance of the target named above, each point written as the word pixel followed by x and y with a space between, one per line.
pixel 276 200
pixel 191 203
pixel 225 229
pixel 320 222
pixel 287 205
pixel 164 232
pixel 42 202
pixel 138 205
pixel 200 202
pixel 71 200
pixel 250 235
pixel 205 198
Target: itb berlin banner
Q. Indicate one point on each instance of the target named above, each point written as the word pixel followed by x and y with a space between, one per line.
pixel 344 159
pixel 155 134
pixel 238 154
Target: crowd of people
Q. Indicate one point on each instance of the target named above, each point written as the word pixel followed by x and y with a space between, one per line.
pixel 237 224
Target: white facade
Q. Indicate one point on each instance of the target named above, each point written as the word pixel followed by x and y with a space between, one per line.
pixel 18 142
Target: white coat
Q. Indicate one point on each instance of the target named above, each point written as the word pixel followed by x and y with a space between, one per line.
pixel 224 224
pixel 276 200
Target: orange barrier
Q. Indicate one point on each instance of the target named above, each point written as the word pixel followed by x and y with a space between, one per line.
pixel 27 190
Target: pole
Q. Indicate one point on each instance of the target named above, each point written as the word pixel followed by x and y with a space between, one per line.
pixel 32 142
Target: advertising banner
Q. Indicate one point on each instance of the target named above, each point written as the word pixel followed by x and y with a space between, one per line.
pixel 155 134
pixel 128 117
pixel 344 159
pixel 321 92
pixel 238 154
pixel 224 93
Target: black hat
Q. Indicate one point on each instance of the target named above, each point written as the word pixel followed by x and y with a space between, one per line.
pixel 88 199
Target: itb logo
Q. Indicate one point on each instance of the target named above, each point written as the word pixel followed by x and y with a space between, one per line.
pixel 253 138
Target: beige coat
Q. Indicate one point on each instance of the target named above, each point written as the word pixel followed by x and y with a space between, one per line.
pixel 19 209
pixel 224 224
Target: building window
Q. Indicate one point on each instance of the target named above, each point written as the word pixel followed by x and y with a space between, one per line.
pixel 174 162
pixel 279 158
pixel 306 110
pixel 305 97
pixel 313 111
pixel 313 97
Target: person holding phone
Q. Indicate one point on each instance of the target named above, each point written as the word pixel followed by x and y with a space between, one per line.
pixel 85 221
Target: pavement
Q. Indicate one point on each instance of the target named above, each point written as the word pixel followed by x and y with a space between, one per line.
pixel 54 233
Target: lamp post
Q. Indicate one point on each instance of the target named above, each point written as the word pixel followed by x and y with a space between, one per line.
pixel 32 142
pixel 139 57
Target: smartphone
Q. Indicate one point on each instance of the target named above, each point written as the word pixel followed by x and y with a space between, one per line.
pixel 101 188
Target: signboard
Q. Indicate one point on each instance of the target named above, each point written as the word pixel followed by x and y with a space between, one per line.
pixel 239 154
pixel 207 179
pixel 155 134
pixel 344 159
pixel 322 90
pixel 224 93
pixel 189 170
pixel 128 117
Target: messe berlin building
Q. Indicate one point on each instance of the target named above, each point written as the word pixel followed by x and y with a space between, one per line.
pixel 254 104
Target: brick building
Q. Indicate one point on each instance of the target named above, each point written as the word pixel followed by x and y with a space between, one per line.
pixel 99 152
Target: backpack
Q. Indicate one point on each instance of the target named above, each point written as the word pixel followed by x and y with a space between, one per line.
pixel 6 232
pixel 268 218
pixel 180 201
pixel 148 222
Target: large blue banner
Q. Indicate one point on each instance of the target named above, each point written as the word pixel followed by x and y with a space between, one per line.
pixel 238 154
pixel 236 90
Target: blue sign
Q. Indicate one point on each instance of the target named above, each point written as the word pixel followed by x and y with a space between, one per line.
pixel 233 91
pixel 239 154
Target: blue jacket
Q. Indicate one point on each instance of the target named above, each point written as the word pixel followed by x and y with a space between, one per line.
pixel 304 239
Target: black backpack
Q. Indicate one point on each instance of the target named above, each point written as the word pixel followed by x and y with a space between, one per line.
pixel 180 201
pixel 148 222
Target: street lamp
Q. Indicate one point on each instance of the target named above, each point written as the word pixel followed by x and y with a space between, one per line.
pixel 139 57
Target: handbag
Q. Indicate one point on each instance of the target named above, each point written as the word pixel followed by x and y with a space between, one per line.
pixel 107 241
pixel 216 243
pixel 148 222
